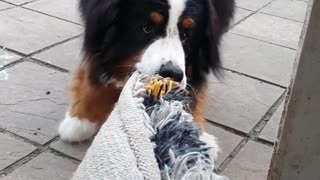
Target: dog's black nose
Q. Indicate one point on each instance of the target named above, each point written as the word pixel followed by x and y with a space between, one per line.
pixel 172 71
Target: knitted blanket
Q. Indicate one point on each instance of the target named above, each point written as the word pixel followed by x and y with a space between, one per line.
pixel 148 140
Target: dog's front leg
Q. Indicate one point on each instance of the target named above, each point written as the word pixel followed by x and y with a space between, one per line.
pixel 89 107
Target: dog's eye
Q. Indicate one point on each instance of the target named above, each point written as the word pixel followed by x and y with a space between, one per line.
pixel 148 28
pixel 184 37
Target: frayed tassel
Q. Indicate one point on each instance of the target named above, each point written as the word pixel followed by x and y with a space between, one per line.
pixel 180 153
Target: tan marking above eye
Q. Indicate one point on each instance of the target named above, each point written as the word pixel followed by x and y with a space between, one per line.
pixel 187 23
pixel 156 18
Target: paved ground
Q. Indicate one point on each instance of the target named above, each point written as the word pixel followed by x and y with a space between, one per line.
pixel 40 42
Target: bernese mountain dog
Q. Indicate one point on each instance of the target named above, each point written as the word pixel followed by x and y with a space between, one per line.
pixel 173 38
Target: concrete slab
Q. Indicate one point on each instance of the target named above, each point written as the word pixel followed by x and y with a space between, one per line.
pixel 239 102
pixel 271 29
pixel 270 132
pixel 32 101
pixel 240 14
pixel 66 55
pixel 12 150
pixel 74 150
pixel 45 166
pixel 226 140
pixel 258 59
pixel 63 9
pixel 290 9
pixel 253 5
pixel 7 57
pixel 297 152
pixel 251 163
pixel 4 5
pixel 18 2
pixel 27 31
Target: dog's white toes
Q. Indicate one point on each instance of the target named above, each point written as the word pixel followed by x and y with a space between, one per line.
pixel 73 129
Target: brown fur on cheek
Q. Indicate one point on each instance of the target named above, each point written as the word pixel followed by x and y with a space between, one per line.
pixel 189 72
pixel 198 106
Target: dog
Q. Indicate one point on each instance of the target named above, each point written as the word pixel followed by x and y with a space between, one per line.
pixel 173 38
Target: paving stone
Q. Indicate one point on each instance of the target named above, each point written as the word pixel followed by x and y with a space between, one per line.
pixel 32 101
pixel 45 166
pixel 66 55
pixel 291 9
pixel 253 5
pixel 18 2
pixel 4 5
pixel 12 150
pixel 239 102
pixel 259 59
pixel 75 150
pixel 240 14
pixel 271 29
pixel 270 132
pixel 63 9
pixel 226 140
pixel 27 31
pixel 252 163
pixel 7 57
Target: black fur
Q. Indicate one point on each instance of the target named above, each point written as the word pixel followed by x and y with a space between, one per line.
pixel 114 33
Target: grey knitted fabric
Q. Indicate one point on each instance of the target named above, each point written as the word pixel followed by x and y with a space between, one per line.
pixel 122 149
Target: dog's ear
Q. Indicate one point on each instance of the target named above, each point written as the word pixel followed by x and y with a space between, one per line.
pixel 99 18
pixel 219 15
pixel 222 12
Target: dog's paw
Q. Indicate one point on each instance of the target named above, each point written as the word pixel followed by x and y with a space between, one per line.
pixel 72 129
pixel 211 142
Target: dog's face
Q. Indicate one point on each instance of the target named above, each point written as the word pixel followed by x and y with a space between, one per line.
pixel 173 38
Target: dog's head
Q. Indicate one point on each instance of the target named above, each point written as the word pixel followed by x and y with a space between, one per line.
pixel 173 38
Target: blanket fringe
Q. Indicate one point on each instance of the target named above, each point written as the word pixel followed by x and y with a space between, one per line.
pixel 180 153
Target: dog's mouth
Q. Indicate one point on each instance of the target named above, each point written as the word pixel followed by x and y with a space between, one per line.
pixel 163 79
pixel 157 89
pixel 159 86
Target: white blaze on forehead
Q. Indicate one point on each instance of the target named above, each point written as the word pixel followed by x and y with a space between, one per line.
pixel 166 49
pixel 176 9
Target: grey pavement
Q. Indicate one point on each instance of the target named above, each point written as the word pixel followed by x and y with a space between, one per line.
pixel 40 44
